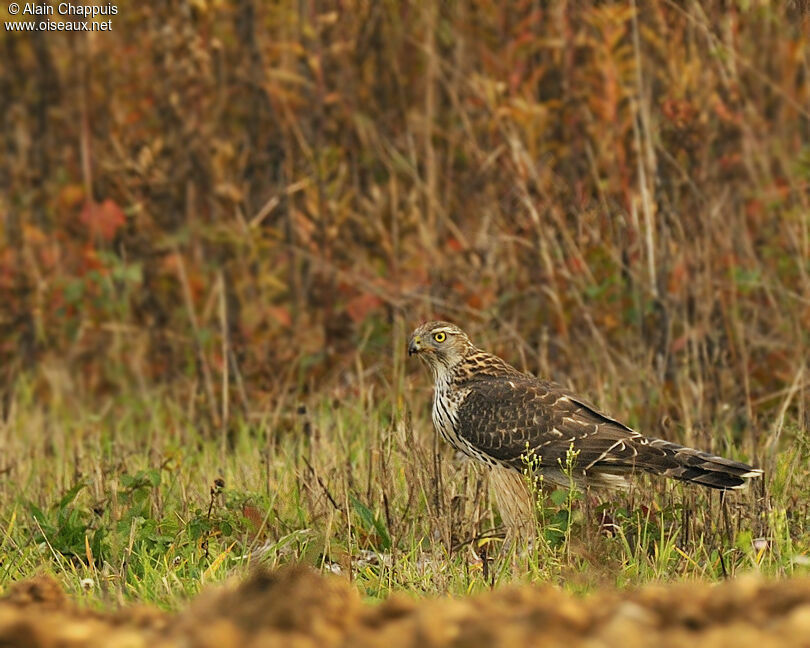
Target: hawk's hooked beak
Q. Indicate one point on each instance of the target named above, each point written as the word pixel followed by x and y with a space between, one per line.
pixel 414 345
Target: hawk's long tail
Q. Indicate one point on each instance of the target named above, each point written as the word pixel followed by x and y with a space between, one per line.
pixel 690 465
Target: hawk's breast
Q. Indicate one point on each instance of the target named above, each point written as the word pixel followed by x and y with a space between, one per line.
pixel 447 401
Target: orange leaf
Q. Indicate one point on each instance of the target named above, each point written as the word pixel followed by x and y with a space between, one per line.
pixel 677 277
pixel 71 196
pixel 725 113
pixel 170 263
pixel 281 315
pixel 102 219
pixel 253 514
pixel 32 234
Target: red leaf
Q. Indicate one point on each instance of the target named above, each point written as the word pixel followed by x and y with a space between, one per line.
pixel 678 344
pixel 90 260
pixel 102 219
pixel 359 307
pixel 454 244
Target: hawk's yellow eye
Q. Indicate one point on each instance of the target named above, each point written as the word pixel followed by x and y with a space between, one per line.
pixel 440 336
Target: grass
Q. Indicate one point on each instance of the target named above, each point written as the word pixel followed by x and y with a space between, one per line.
pixel 611 196
pixel 129 501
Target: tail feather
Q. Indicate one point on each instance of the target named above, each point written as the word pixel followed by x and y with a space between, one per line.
pixel 698 467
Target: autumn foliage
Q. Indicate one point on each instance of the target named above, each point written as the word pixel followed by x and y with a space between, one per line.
pixel 256 194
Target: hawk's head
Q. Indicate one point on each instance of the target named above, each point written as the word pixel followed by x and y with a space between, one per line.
pixel 440 344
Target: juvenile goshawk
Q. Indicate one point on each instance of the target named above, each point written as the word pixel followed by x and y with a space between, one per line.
pixel 496 414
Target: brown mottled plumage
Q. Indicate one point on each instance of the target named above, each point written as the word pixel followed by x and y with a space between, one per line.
pixel 492 412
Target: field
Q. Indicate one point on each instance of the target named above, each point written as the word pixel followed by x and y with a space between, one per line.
pixel 222 221
pixel 297 607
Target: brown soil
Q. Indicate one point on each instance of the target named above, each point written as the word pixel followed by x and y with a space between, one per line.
pixel 298 608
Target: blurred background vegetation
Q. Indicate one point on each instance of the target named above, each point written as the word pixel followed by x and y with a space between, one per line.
pixel 241 200
pixel 221 221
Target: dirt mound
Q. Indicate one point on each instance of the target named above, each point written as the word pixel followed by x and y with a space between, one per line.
pixel 297 607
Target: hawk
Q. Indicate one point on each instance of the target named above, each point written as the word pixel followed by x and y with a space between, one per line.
pixel 494 413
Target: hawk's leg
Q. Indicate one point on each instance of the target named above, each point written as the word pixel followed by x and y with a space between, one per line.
pixel 516 506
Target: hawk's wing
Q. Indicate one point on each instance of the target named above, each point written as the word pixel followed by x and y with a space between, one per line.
pixel 507 417
pixel 510 416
